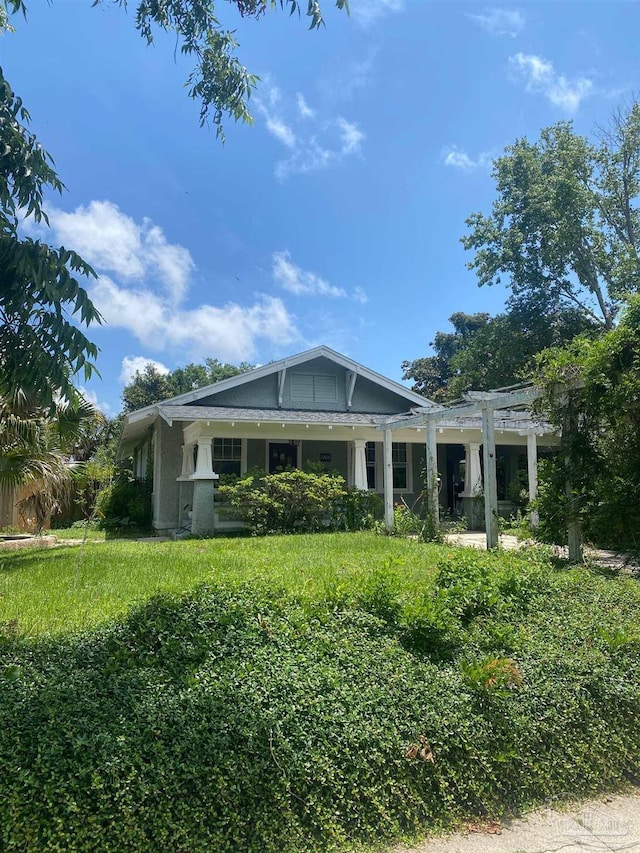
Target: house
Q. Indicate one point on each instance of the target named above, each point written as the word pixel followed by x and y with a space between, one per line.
pixel 319 409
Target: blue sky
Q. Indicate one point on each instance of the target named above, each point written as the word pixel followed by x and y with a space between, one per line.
pixel 336 217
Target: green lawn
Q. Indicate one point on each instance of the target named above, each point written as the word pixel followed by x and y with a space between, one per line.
pixel 52 591
pixel 303 694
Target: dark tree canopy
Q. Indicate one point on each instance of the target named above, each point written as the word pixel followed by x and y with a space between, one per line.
pixel 485 352
pixel 151 386
pixel 564 231
pixel 602 382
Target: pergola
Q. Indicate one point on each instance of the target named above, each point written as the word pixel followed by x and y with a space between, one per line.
pixel 497 408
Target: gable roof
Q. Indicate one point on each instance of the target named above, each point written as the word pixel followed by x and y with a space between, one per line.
pixel 275 367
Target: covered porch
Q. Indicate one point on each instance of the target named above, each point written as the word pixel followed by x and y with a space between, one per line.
pixel 502 412
pixel 371 452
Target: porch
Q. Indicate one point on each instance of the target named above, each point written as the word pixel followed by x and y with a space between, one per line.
pixel 197 453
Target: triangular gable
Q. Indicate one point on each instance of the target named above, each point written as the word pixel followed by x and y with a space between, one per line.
pixel 294 361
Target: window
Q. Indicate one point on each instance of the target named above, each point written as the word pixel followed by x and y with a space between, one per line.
pixel 370 453
pixel 399 461
pixel 227 455
pixel 312 388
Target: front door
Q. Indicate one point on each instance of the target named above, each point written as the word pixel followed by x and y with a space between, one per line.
pixel 282 456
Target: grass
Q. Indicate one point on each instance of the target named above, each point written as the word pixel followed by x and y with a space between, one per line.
pixel 304 694
pixel 78 533
pixel 53 591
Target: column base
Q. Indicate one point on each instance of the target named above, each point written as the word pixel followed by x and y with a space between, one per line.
pixel 473 510
pixel 202 518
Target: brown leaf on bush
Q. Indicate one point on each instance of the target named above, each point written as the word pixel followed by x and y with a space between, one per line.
pixel 426 754
pixel 411 751
pixel 421 749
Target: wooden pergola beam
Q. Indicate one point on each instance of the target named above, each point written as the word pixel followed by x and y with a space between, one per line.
pixel 492 400
pixel 488 404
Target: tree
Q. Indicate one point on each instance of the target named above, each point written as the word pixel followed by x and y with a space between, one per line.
pixel 41 300
pixel 219 81
pixel 42 303
pixel 194 376
pixel 150 386
pixel 595 384
pixel 485 352
pixel 35 443
pixel 147 387
pixel 432 375
pixel 565 227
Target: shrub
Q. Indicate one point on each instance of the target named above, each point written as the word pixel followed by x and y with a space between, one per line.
pixel 286 502
pixel 355 509
pixel 300 501
pixel 125 502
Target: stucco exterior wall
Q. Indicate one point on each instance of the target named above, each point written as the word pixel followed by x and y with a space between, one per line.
pixel 167 467
pixel 338 450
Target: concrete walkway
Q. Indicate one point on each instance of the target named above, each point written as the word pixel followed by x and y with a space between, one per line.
pixel 610 559
pixel 476 539
pixel 605 824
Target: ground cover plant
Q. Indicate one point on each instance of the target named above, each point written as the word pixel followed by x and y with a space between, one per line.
pixel 300 701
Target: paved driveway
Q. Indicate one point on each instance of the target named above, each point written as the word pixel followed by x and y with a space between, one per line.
pixel 605 824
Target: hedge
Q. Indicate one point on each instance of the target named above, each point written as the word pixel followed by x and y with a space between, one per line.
pixel 244 719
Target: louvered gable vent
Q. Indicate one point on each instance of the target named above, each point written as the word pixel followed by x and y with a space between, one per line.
pixel 313 388
pixel 324 389
pixel 302 387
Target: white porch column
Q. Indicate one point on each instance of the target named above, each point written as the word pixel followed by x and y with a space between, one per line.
pixel 360 465
pixel 187 462
pixel 490 479
pixel 472 471
pixel 204 465
pixel 532 471
pixel 432 475
pixel 387 459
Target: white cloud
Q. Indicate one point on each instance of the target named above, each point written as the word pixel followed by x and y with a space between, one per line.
pixel 459 159
pixel 540 76
pixel 293 278
pixel 360 296
pixel 303 107
pixel 368 12
pixel 313 142
pixel 113 242
pixel 351 135
pixel 501 22
pixel 130 258
pixel 281 131
pixel 311 157
pixel 132 364
pixel 231 330
pixel 300 282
